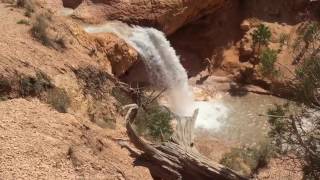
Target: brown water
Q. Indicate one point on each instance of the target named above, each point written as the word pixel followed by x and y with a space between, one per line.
pixel 239 123
pixel 246 121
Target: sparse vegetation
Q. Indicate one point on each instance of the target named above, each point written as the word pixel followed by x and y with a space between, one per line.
pixel 248 160
pixel 261 37
pixel 296 136
pixel 308 82
pixel 29 5
pixel 33 86
pixel 296 133
pixel 41 87
pixel 268 58
pixel 23 21
pixel 307 44
pixel 159 119
pixel 283 40
pixel 262 54
pixel 39 29
pixel 155 122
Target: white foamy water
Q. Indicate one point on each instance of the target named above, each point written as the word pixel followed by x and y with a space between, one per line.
pixel 166 71
pixel 211 114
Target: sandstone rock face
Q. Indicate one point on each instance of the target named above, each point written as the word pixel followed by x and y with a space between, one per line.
pixel 167 15
pixel 117 51
pixel 114 54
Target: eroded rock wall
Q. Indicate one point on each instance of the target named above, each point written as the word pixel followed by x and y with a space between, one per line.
pixel 167 15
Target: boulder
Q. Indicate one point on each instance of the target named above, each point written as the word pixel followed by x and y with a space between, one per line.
pixel 117 51
pixel 245 25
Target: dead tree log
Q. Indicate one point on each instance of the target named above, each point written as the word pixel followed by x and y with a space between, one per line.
pixel 178 158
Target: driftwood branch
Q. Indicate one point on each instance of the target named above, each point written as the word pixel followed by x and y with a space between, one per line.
pixel 178 158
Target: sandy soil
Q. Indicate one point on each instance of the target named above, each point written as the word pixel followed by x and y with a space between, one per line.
pixel 36 142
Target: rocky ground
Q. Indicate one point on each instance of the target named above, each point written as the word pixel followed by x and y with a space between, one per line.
pixel 37 142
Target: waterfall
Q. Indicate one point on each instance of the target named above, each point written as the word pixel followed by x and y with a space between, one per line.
pixel 161 61
pixel 165 70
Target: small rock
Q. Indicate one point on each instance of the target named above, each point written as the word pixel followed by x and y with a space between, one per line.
pixel 245 25
pixel 246 50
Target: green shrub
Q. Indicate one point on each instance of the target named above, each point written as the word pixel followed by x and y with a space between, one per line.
pixel 247 161
pixel 295 134
pixel 23 21
pixel 155 123
pixel 159 123
pixel 308 76
pixel 276 125
pixel 58 99
pixel 261 36
pixel 268 58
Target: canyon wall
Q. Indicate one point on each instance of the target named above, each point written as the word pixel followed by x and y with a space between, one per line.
pixel 166 15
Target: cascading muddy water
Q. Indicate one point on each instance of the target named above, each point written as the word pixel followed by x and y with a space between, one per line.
pixel 164 67
pixel 165 70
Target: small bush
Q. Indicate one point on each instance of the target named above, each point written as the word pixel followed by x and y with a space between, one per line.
pixel 261 36
pixel 268 58
pixel 295 133
pixel 59 99
pixel 23 21
pixel 306 45
pixel 159 123
pixel 33 86
pixel 40 28
pixel 155 123
pixel 29 5
pixel 311 33
pixel 308 85
pixel 283 40
pixel 248 160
